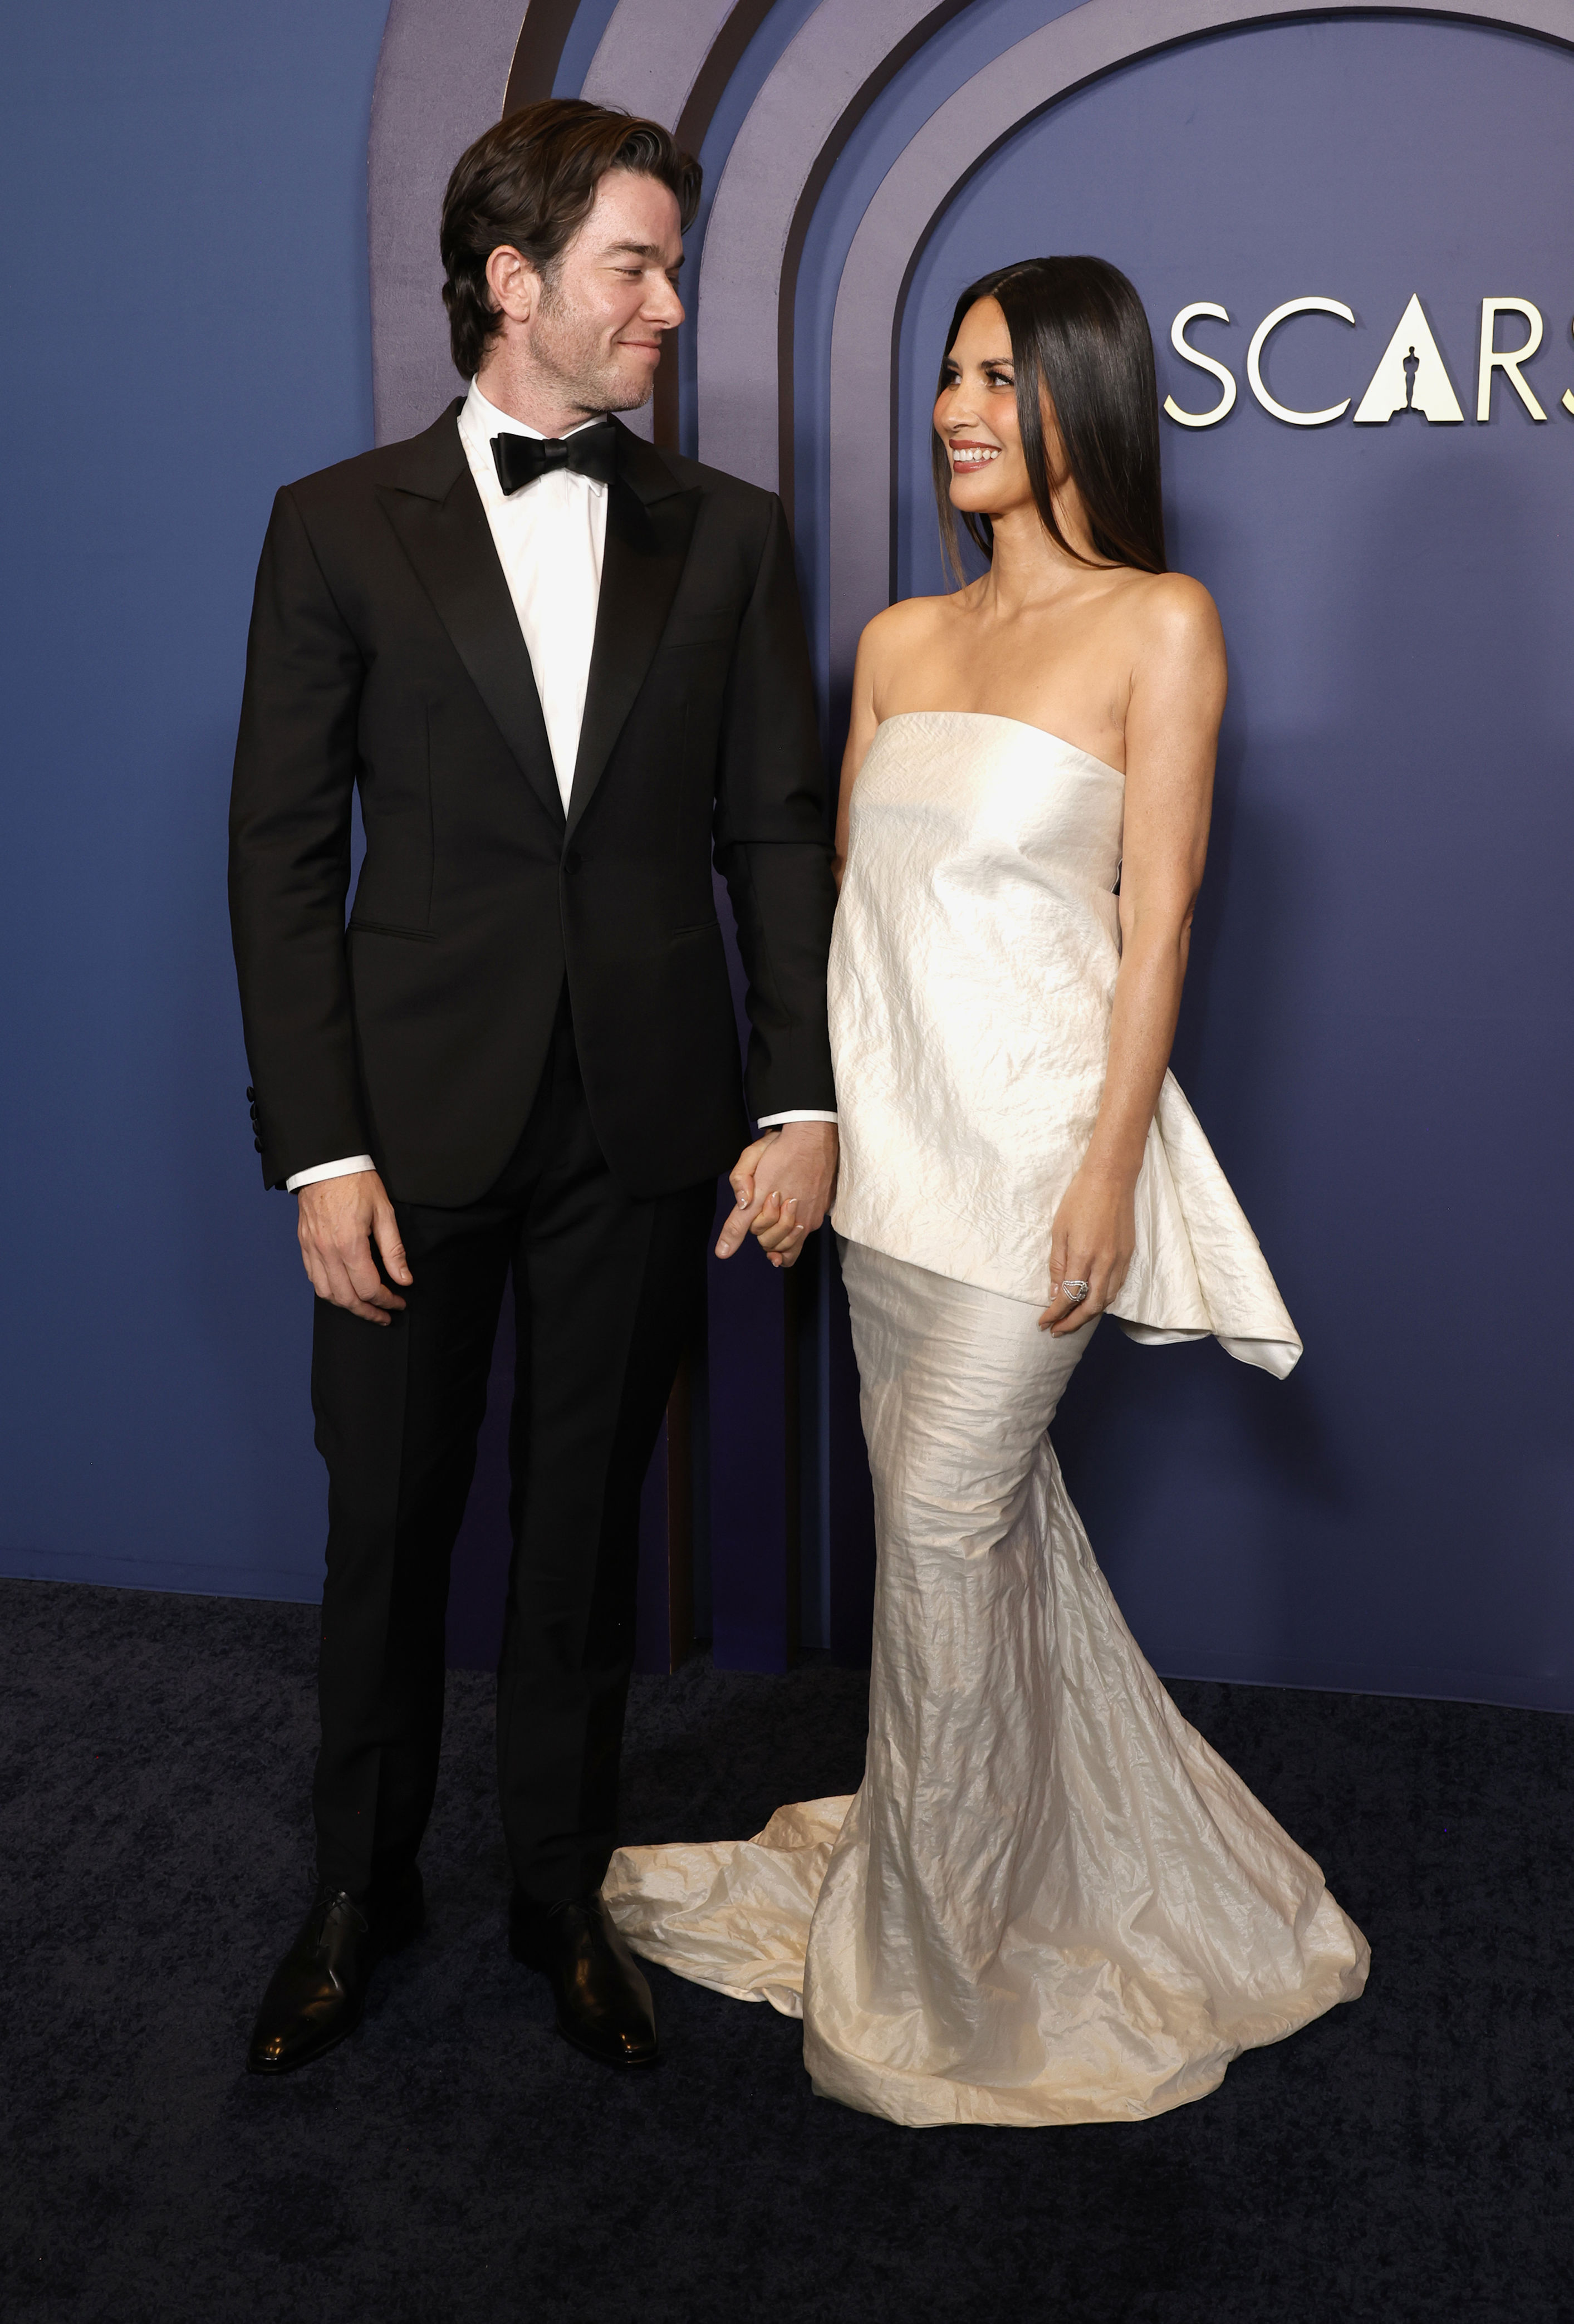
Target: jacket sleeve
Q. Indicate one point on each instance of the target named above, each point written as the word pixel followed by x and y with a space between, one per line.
pixel 289 858
pixel 772 844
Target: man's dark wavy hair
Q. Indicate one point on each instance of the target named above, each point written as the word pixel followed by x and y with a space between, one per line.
pixel 528 184
pixel 1080 339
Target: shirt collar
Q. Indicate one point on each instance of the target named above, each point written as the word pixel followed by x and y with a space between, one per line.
pixel 481 420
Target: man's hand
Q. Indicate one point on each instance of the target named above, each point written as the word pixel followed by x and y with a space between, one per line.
pixel 339 1219
pixel 784 1182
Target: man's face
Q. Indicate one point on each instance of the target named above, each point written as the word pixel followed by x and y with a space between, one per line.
pixel 597 330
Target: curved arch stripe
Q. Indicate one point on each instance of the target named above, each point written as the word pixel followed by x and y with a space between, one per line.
pixel 661 57
pixel 441 75
pixel 914 195
pixel 652 54
pixel 543 35
pixel 773 158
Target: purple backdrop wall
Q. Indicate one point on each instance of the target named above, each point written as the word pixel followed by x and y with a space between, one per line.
pixel 1349 1529
pixel 154 1420
pixel 1377 1029
pixel 1376 1033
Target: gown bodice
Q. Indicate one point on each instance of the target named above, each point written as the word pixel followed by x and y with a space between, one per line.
pixel 972 969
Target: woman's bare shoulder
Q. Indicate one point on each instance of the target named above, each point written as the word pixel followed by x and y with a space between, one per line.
pixel 1172 612
pixel 907 627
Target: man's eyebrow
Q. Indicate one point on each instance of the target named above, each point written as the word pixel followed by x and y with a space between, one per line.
pixel 643 250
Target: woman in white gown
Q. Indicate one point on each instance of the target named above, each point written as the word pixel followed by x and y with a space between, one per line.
pixel 1050 1901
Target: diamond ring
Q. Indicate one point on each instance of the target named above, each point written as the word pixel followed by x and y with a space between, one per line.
pixel 1076 1291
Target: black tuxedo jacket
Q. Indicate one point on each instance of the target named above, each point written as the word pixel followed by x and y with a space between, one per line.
pixel 385 654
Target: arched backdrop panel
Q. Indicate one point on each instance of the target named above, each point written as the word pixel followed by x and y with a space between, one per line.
pixel 1376 1030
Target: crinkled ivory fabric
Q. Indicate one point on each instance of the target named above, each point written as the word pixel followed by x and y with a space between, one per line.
pixel 972 968
pixel 1050 1901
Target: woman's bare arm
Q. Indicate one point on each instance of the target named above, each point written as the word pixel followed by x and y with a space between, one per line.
pixel 1172 732
pixel 881 645
pixel 773 1220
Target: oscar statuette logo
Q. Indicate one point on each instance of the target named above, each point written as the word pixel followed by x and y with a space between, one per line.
pixel 1412 374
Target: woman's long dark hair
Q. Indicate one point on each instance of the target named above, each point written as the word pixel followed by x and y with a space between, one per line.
pixel 1080 338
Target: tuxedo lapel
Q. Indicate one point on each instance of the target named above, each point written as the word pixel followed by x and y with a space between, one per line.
pixel 650 522
pixel 436 510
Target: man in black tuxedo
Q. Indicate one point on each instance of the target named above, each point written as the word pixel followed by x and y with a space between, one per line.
pixel 562 669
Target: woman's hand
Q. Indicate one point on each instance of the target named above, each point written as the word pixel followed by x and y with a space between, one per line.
pixel 784 1184
pixel 1093 1241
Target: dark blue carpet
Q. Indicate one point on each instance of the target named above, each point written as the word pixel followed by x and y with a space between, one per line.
pixel 1407 2157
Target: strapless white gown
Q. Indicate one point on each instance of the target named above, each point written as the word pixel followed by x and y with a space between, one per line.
pixel 1050 1901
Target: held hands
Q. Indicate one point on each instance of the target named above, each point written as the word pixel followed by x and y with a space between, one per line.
pixel 339 1219
pixel 783 1183
pixel 1093 1239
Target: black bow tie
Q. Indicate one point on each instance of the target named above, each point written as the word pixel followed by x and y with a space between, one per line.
pixel 590 451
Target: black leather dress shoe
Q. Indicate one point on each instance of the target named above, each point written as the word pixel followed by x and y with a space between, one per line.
pixel 604 2002
pixel 319 1990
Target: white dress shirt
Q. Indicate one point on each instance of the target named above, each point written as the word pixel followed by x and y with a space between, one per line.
pixel 550 540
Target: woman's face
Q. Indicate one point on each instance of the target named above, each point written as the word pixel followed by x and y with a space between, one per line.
pixel 975 415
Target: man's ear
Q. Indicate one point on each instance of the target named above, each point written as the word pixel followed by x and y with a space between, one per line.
pixel 514 282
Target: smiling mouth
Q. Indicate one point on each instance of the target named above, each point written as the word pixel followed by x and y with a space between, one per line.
pixel 974 455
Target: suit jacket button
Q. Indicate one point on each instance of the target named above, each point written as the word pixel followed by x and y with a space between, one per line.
pixel 258 1143
pixel 571 861
pixel 251 1093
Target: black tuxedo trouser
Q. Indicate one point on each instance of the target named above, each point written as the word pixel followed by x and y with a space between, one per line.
pixel 607 1290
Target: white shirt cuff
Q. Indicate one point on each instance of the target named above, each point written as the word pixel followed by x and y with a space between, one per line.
pixel 800 1113
pixel 329 1170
